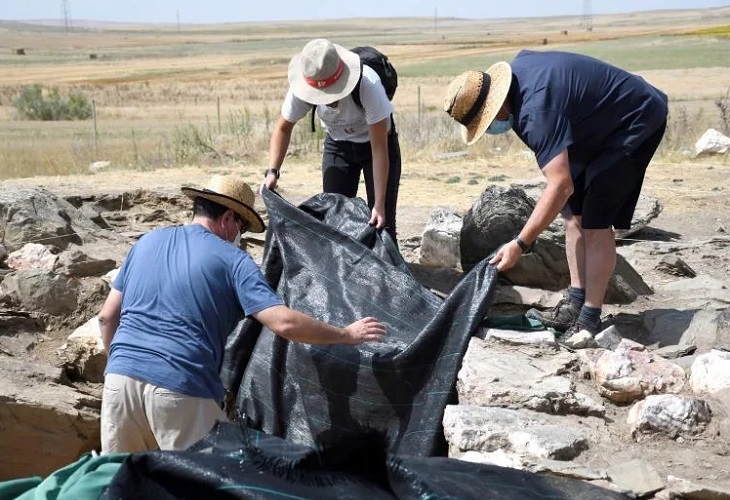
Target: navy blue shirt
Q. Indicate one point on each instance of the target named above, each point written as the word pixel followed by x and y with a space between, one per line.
pixel 597 111
pixel 184 289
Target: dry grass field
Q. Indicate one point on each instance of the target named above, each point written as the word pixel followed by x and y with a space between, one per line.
pixel 205 97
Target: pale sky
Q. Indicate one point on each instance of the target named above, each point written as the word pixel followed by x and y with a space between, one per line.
pixel 215 11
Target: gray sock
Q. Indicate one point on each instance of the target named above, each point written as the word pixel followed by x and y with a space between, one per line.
pixel 577 296
pixel 590 319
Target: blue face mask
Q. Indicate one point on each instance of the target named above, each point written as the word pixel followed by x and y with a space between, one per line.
pixel 500 126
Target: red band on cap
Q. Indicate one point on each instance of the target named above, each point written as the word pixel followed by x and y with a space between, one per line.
pixel 319 84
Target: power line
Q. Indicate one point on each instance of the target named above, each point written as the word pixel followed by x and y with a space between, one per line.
pixel 587 15
pixel 66 11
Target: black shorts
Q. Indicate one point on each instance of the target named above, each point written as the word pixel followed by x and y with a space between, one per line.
pixel 610 197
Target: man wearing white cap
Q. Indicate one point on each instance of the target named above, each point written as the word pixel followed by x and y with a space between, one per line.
pixel 593 128
pixel 179 293
pixel 360 130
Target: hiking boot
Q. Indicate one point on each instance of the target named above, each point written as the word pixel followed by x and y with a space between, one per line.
pixel 560 317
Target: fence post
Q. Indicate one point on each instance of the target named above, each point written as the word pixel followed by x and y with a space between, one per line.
pixel 136 150
pixel 419 110
pixel 218 106
pixel 96 131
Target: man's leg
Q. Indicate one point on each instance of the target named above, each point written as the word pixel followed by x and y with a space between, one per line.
pixel 179 421
pixel 565 313
pixel 600 261
pixel 575 250
pixel 124 427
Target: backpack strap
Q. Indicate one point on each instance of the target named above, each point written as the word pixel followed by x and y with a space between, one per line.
pixel 356 91
pixel 312 115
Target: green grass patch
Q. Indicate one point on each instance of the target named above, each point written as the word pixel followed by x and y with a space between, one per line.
pixel 632 54
pixel 498 178
pixel 720 31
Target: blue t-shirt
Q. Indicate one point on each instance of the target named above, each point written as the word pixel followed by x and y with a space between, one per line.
pixel 597 111
pixel 184 289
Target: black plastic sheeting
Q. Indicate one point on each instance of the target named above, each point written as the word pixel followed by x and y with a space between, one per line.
pixel 324 259
pixel 234 462
pixel 342 422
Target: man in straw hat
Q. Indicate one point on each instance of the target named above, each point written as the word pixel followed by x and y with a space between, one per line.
pixel 593 128
pixel 358 137
pixel 179 293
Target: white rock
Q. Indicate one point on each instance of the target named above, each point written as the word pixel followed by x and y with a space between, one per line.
pixel 710 372
pixel 32 256
pixel 609 338
pixel 712 142
pixel 669 414
pixel 440 243
pixel 99 166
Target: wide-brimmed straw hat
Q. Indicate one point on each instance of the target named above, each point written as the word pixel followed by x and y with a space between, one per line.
pixel 323 72
pixel 231 192
pixel 474 98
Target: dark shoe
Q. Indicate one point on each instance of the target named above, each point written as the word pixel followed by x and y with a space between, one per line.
pixel 560 317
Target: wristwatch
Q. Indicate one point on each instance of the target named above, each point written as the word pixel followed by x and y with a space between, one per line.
pixel 523 246
pixel 274 171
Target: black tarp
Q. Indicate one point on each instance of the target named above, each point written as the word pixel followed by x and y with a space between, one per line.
pixel 359 422
pixel 325 260
pixel 235 462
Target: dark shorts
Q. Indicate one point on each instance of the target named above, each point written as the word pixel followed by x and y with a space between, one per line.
pixel 609 199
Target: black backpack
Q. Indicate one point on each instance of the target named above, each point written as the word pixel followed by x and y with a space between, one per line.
pixel 372 57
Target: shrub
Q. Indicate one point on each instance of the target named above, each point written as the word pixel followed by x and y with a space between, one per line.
pixel 35 103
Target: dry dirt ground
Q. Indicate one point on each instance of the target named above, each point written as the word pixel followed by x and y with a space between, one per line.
pixel 694 194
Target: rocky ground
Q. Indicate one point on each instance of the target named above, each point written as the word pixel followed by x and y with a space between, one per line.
pixel 525 402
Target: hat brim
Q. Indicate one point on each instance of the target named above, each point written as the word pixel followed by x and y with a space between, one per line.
pixel 500 75
pixel 255 222
pixel 325 95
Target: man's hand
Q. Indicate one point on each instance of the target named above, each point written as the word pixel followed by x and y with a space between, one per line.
pixel 365 330
pixel 269 182
pixel 507 256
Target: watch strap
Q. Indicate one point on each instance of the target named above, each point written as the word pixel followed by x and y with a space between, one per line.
pixel 274 171
pixel 523 246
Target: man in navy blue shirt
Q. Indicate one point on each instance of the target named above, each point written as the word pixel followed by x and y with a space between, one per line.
pixel 593 128
pixel 179 293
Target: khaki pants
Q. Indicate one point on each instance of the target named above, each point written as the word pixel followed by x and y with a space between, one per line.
pixel 137 416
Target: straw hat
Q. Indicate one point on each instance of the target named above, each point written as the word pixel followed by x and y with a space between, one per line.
pixel 474 98
pixel 231 192
pixel 323 72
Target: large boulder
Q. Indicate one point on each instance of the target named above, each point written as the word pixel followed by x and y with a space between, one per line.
pixel 84 353
pixel 647 209
pixel 30 214
pixel 494 218
pixel 499 214
pixel 42 291
pixel 44 424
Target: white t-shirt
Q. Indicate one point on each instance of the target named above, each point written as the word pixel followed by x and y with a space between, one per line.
pixel 348 121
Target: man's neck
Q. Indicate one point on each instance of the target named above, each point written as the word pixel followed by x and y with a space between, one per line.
pixel 207 223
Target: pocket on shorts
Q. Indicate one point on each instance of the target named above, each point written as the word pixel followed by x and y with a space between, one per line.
pixel 168 394
pixel 113 384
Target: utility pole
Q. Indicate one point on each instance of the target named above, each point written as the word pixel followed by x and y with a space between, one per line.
pixel 66 11
pixel 587 15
